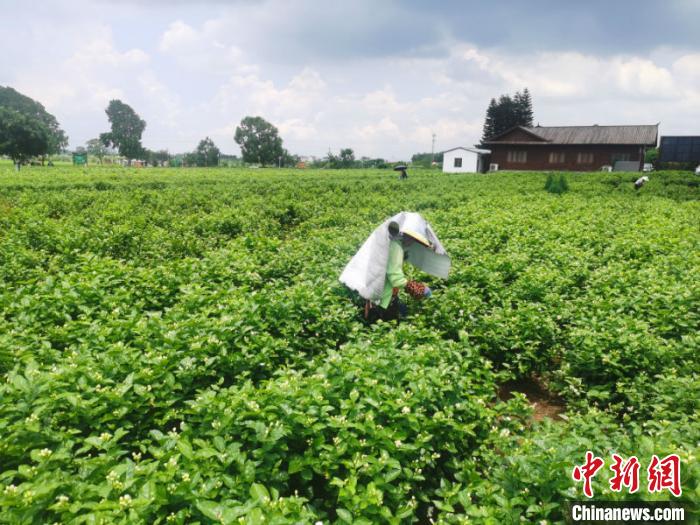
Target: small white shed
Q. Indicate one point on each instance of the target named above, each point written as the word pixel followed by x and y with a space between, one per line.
pixel 463 160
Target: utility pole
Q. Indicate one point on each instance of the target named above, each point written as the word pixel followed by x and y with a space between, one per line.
pixel 432 151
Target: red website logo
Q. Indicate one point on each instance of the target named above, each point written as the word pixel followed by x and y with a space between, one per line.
pixel 662 474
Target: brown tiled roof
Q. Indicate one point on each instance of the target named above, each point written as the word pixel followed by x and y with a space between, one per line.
pixel 637 135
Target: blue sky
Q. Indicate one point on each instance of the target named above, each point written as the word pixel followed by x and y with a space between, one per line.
pixel 377 76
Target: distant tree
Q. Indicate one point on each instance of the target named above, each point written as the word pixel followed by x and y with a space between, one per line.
pixel 37 129
pixel 289 160
pixel 207 154
pixel 127 128
pixel 345 159
pixel 162 155
pixel 259 141
pixel 506 113
pixel 229 160
pixel 156 158
pixel 490 121
pixel 189 159
pixel 377 163
pixel 651 155
pixel 97 149
pixel 426 159
pixel 523 108
pixel 332 161
pixel 21 137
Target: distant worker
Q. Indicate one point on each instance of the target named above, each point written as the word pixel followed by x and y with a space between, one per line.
pixel 641 181
pixel 376 270
pixel 402 168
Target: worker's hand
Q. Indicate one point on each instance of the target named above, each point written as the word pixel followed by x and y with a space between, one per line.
pixel 417 290
pixel 427 292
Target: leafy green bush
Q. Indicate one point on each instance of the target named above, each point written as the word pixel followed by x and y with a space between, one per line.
pixel 556 183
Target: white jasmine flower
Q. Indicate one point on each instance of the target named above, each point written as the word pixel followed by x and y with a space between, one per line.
pixel 125 501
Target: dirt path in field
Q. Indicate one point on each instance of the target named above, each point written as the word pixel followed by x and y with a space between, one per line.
pixel 543 403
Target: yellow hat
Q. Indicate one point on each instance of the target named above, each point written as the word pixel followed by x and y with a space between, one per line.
pixel 418 237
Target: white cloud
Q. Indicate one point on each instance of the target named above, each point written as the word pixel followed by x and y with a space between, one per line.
pixel 382 100
pixel 297 100
pixel 297 129
pixel 200 49
pixel 179 35
pixel 165 104
pixel 639 76
pixel 99 52
pixel 384 129
pixel 687 68
pixel 86 79
pixel 308 81
pixel 452 132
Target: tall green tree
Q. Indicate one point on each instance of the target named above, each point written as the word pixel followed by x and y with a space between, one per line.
pixel 25 116
pixel 95 148
pixel 523 105
pixel 651 155
pixel 127 128
pixel 22 137
pixel 490 121
pixel 506 113
pixel 289 160
pixel 345 159
pixel 207 154
pixel 189 159
pixel 259 141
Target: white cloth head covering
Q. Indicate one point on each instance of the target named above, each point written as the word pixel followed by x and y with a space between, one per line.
pixel 366 271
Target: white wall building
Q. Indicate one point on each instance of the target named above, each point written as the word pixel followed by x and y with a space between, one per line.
pixel 463 160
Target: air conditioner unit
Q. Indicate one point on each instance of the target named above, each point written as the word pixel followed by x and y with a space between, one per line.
pixel 493 167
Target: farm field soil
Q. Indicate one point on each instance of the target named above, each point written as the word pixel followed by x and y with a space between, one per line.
pixel 175 346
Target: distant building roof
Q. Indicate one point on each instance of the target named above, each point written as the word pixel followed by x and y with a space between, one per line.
pixel 635 135
pixel 473 150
